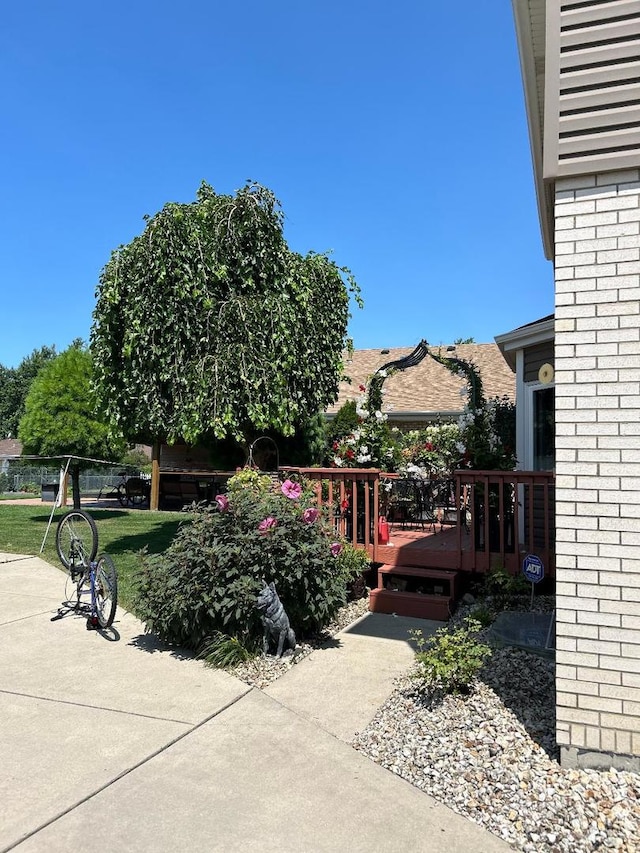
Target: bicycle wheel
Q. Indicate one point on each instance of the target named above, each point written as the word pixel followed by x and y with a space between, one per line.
pixel 76 540
pixel 122 496
pixel 106 588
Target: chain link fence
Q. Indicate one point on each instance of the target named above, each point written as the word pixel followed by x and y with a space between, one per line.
pixel 22 479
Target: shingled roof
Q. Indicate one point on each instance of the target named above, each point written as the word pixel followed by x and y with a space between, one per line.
pixel 429 389
pixel 10 448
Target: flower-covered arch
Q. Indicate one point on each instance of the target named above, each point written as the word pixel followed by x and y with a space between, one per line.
pixel 483 438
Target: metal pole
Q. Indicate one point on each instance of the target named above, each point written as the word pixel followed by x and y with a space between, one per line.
pixel 63 479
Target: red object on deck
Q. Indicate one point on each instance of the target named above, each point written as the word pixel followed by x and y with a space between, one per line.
pixel 383 531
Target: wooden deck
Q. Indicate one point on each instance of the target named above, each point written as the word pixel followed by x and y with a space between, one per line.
pixel 508 514
pixel 414 546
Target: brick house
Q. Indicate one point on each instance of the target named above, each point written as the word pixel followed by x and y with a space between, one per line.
pixel 580 66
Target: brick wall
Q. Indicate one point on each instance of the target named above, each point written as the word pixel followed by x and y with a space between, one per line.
pixel 597 361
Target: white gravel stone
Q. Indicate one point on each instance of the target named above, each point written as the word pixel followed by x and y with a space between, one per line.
pixel 492 757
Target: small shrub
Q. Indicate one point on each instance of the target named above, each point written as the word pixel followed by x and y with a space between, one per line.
pixel 484 615
pixel 504 587
pixel 354 564
pixel 208 580
pixel 451 658
pixel 222 651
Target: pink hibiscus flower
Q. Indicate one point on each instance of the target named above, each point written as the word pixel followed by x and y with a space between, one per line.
pixel 291 490
pixel 310 515
pixel 267 524
pixel 223 502
pixel 335 549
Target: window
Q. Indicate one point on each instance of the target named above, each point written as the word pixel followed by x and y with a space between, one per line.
pixel 543 425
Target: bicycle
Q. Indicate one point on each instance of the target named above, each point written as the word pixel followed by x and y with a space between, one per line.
pixel 128 491
pixel 118 490
pixel 77 546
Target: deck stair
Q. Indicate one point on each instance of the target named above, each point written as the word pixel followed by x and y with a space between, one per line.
pixel 422 593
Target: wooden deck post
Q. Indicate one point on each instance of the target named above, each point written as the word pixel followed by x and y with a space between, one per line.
pixel 154 498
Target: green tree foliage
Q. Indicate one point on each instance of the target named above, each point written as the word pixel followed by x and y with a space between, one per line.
pixel 207 324
pixel 14 387
pixel 61 415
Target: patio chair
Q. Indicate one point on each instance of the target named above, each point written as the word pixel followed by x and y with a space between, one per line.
pixel 446 507
pixel 411 503
pixel 425 506
pixel 137 490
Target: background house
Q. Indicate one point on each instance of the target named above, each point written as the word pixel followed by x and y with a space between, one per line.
pixel 429 391
pixel 580 65
pixel 10 449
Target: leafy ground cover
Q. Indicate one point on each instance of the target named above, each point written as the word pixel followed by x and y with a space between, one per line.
pixel 123 534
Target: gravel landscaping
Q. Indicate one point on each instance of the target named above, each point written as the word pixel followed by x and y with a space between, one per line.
pixel 492 757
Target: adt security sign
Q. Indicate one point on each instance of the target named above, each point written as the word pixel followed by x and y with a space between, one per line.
pixel 533 568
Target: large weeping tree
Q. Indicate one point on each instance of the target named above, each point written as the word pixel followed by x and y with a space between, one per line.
pixel 208 325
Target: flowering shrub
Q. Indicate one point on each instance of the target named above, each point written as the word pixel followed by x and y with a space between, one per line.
pixel 487 427
pixel 485 443
pixel 432 451
pixel 371 444
pixel 208 579
pixel 483 437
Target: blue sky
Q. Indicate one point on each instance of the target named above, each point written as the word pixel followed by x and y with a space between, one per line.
pixel 393 134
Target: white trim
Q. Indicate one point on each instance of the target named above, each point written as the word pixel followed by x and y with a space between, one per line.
pixel 521 431
pixel 524 337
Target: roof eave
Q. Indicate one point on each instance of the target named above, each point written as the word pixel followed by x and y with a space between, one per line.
pixel 412 416
pixel 525 336
pixel 532 60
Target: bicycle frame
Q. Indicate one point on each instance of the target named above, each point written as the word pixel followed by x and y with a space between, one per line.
pixel 80 591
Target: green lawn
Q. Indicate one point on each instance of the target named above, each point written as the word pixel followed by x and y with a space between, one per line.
pixel 122 533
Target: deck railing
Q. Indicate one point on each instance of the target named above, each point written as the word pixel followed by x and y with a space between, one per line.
pixel 351 497
pixel 509 514
pixel 502 516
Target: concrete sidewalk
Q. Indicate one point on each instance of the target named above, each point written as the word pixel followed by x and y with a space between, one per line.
pixel 109 741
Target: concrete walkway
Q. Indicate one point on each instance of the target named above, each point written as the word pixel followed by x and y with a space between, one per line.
pixel 108 741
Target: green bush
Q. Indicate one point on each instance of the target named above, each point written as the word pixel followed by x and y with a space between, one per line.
pixel 451 658
pixel 503 587
pixel 483 614
pixel 208 580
